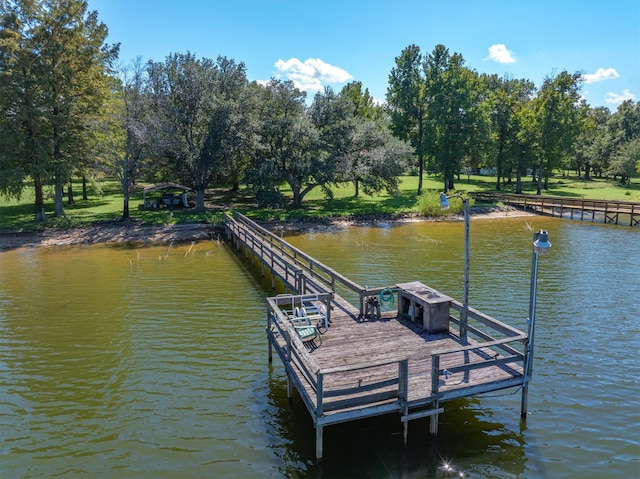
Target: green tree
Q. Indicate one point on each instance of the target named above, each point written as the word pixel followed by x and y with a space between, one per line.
pixel 22 149
pixel 55 65
pixel 242 128
pixel 377 158
pixel 363 103
pixel 333 118
pixel 593 148
pixel 455 112
pixel 626 160
pixel 558 113
pixel 287 144
pixel 233 130
pixel 506 99
pixel 195 125
pixel 125 135
pixel 622 140
pixel 407 98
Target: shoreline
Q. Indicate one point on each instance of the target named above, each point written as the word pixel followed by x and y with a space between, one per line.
pixel 121 233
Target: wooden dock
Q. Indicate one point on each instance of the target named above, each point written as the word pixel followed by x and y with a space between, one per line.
pixel 408 359
pixel 606 211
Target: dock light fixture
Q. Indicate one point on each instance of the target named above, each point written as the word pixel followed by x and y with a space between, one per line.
pixel 541 246
pixel 444 204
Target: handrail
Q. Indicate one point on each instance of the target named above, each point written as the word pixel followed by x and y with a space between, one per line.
pixel 516 356
pixel 560 199
pixel 493 323
pixel 359 366
pixel 610 209
pixel 296 255
pixel 386 393
pixel 382 395
pixel 488 344
pixel 251 240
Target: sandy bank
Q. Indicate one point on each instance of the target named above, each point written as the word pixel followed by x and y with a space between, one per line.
pixel 114 232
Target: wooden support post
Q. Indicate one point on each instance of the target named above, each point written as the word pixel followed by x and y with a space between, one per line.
pixel 327 310
pixel 435 373
pixel 287 366
pixel 435 386
pixel 319 443
pixel 319 409
pixel 270 347
pixel 403 395
pixel 524 400
pixel 405 427
pixel 433 424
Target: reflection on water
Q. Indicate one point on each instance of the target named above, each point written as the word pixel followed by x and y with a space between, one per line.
pixel 152 361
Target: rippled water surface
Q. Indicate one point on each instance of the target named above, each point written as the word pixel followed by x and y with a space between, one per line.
pixel 152 361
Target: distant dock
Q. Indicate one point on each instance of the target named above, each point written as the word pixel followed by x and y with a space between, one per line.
pixel 355 361
pixel 606 211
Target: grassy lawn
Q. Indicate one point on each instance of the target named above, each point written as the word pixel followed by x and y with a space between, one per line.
pixel 107 204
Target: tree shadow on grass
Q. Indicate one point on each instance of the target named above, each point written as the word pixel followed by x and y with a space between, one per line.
pixel 359 206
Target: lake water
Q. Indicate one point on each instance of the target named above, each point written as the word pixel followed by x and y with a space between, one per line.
pixel 151 362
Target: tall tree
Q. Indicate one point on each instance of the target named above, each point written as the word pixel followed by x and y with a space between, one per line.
pixel 363 103
pixel 233 132
pixel 196 125
pixel 526 153
pixel 626 160
pixel 507 97
pixel 592 149
pixel 21 147
pixel 125 133
pixel 407 98
pixel 289 145
pixel 377 158
pixel 558 119
pixel 623 138
pixel 455 113
pixel 332 117
pixel 55 64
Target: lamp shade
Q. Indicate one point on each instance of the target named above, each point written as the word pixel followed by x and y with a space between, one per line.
pixel 444 201
pixel 542 245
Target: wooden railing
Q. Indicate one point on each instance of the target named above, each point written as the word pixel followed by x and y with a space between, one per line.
pixel 313 269
pixel 291 273
pixel 304 272
pixel 510 348
pixel 327 402
pixel 609 209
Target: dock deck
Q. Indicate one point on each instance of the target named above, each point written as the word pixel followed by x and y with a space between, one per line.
pixel 408 360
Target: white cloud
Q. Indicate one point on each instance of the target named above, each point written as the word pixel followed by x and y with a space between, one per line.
pixel 600 74
pixel 499 53
pixel 615 99
pixel 313 74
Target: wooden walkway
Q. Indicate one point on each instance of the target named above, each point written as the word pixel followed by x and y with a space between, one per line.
pixel 606 211
pixel 363 365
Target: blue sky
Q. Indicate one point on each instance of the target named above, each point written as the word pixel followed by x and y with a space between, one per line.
pixel 331 42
